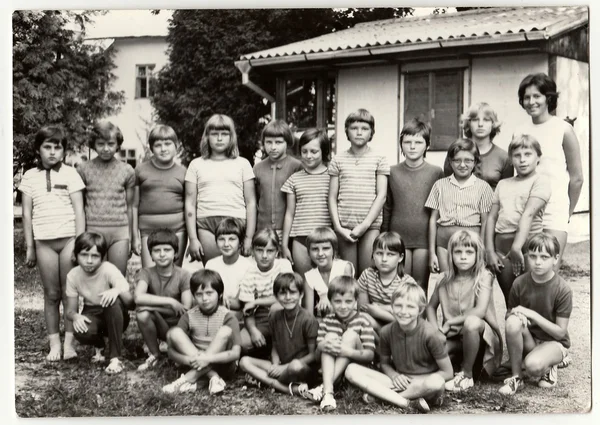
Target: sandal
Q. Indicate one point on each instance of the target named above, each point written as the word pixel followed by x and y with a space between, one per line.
pixel 115 366
pixel 216 385
pixel 328 403
pixel 314 395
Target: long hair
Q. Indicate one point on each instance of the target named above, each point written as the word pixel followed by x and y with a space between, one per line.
pixel 219 122
pixel 488 112
pixel 470 239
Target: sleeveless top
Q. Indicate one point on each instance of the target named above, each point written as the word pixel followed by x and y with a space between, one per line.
pixel 315 280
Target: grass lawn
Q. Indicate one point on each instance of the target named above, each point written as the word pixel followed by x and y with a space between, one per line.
pixel 78 388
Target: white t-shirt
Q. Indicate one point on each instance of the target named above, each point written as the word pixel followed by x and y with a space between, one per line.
pixel 231 274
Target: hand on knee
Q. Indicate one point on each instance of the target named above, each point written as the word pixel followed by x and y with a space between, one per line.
pixel 472 324
pixel 350 339
pixel 513 325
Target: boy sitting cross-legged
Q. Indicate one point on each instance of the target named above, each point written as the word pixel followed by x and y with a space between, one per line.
pixel 207 337
pixel 344 336
pixel 294 335
pixel 162 293
pixel 539 306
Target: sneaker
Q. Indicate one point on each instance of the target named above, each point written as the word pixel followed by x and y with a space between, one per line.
pixel 550 378
pixel 367 398
pixel 163 347
pixel 251 380
pixel 420 405
pixel 181 385
pixel 316 394
pixel 150 362
pixel 511 385
pixel 565 362
pixel 216 385
pixel 459 383
pixel 328 402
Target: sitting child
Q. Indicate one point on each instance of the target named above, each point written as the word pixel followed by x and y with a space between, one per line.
pixel 377 284
pixel 105 293
pixel 323 249
pixel 207 337
pixel 344 336
pixel 162 293
pixel 414 359
pixel 293 351
pixel 256 289
pixel 539 306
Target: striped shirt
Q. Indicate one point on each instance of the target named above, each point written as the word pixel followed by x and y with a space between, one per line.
pixel 203 328
pixel 358 185
pixel 311 192
pixel 460 205
pixel 370 282
pixel 359 324
pixel 50 190
pixel 258 284
pixel 220 186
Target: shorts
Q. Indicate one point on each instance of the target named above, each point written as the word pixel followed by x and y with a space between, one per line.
pixel 503 242
pixel 112 234
pixel 444 233
pixel 302 240
pixel 211 223
pixel 148 223
pixel 556 216
pixel 261 320
pixel 564 351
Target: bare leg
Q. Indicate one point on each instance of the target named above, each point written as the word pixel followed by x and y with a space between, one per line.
pixel 542 357
pixel 506 277
pixel 442 254
pixel 182 240
pixel 48 266
pixel 375 383
pixel 420 267
pixel 146 324
pixel 365 249
pixel 259 369
pixel 348 251
pixel 145 255
pixel 408 254
pixel 427 386
pixel 472 332
pixel 118 254
pixel 66 264
pixel 519 342
pixel 562 240
pixel 301 258
pixel 209 245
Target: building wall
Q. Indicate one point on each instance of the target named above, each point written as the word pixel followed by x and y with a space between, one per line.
pixel 375 89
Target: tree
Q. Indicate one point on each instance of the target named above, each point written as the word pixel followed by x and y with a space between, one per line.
pixel 201 79
pixel 58 78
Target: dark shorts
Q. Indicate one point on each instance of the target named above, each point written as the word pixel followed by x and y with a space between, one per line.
pixel 211 223
pixel 302 240
pixel 444 233
pixel 112 234
pixel 149 223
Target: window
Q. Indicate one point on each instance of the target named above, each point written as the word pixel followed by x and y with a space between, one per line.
pixel 128 156
pixel 436 97
pixel 143 76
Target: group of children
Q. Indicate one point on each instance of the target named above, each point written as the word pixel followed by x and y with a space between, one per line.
pixel 282 245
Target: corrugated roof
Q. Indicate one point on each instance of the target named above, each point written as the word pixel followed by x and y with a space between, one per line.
pixel 493 25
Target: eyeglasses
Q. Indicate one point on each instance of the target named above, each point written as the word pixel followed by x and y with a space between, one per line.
pixel 465 161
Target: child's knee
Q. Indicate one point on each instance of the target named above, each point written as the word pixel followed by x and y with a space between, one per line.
pixel 53 295
pixel 174 334
pixel 351 338
pixel 244 363
pixel 513 324
pixel 352 372
pixel 296 367
pixel 472 324
pixel 534 366
pixel 143 317
pixel 435 382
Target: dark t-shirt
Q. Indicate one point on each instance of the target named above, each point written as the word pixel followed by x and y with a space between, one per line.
pixel 494 166
pixel 171 287
pixel 303 331
pixel 550 299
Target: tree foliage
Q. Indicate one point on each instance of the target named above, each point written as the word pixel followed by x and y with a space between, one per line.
pixel 201 79
pixel 57 79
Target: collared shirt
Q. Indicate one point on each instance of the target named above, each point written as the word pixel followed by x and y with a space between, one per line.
pixel 460 205
pixel 270 177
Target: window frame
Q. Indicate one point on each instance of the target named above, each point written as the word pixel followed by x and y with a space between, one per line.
pixel 149 67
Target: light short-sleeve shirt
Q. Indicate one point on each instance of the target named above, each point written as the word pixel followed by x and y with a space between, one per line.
pixel 53 216
pixel 512 195
pixel 358 185
pixel 220 186
pixel 359 324
pixel 108 276
pixel 231 274
pixel 258 284
pixel 370 283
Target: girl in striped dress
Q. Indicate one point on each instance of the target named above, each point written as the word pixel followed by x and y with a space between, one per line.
pixel 357 191
pixel 307 191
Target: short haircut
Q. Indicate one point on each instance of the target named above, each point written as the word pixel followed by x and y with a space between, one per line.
pixel 263 237
pixel 543 241
pixel 207 278
pixel 278 128
pixel 416 127
pixel 230 226
pixel 163 237
pixel 162 132
pixel 106 130
pixel 413 292
pixel 321 235
pixel 488 112
pixel 392 242
pixel 284 281
pixel 362 115
pixel 219 122
pixel 464 145
pixel 50 133
pixel 89 240
pixel 342 285
pixel 320 135
pixel 524 141
pixel 544 84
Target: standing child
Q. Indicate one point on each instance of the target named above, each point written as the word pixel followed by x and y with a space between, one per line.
pixel 219 184
pixel 105 293
pixel 109 193
pixel 207 338
pixel 158 194
pixel 357 191
pixel 517 212
pixel 52 217
pixel 378 283
pixel 414 359
pixel 457 202
pixel 344 336
pixel 162 293
pixel 256 289
pixel 323 248
pixel 408 187
pixel 307 191
pixel 538 311
pixel 294 333
pixel 271 173
pixel 231 265
pixel 469 318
